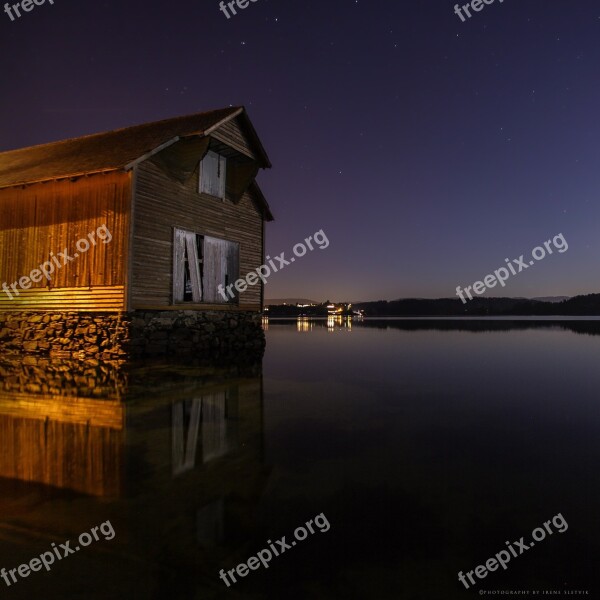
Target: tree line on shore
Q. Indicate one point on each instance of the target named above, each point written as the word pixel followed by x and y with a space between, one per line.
pixel 584 305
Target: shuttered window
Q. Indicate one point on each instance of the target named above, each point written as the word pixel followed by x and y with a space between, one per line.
pixel 200 265
pixel 213 173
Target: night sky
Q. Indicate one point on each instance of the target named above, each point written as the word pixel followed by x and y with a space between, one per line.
pixel 427 149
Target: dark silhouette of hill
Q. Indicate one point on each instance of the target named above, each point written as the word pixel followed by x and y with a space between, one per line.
pixel 587 305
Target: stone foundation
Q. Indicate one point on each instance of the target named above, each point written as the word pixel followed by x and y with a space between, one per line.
pixel 207 335
pixel 212 335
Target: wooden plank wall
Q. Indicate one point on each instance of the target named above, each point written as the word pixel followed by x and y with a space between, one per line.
pixel 231 134
pixel 46 218
pixel 161 204
pixel 107 299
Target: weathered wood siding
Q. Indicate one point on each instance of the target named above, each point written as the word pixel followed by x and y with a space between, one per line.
pixel 162 204
pixel 231 134
pixel 99 298
pixel 42 220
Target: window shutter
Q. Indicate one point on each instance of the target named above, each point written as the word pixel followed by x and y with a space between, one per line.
pixel 208 172
pixel 209 281
pixel 192 254
pixel 221 260
pixel 214 269
pixel 213 173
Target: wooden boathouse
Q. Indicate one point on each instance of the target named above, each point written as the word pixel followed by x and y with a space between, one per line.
pixel 116 244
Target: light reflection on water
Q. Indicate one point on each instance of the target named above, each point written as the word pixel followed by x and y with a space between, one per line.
pixel 172 455
pixel 426 445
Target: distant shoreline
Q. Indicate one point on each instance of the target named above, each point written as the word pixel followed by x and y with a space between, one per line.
pixel 577 306
pixel 457 318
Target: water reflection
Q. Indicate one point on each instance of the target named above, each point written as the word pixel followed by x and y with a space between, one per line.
pixel 39 440
pixel 430 442
pixel 304 324
pixel 214 416
pixel 584 325
pixel 424 442
pixel 171 454
pixel 307 324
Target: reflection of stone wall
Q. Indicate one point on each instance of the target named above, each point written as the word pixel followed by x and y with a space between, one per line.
pixel 30 374
pixel 91 378
pixel 109 336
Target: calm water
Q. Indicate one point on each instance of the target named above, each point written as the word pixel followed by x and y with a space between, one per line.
pixel 425 444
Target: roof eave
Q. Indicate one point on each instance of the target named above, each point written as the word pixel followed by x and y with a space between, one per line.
pixel 242 112
pixel 60 177
pixel 268 215
pixel 151 153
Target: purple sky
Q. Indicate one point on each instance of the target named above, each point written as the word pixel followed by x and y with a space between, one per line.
pixel 428 149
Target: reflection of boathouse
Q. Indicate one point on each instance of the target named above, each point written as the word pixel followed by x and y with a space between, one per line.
pixel 173 457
